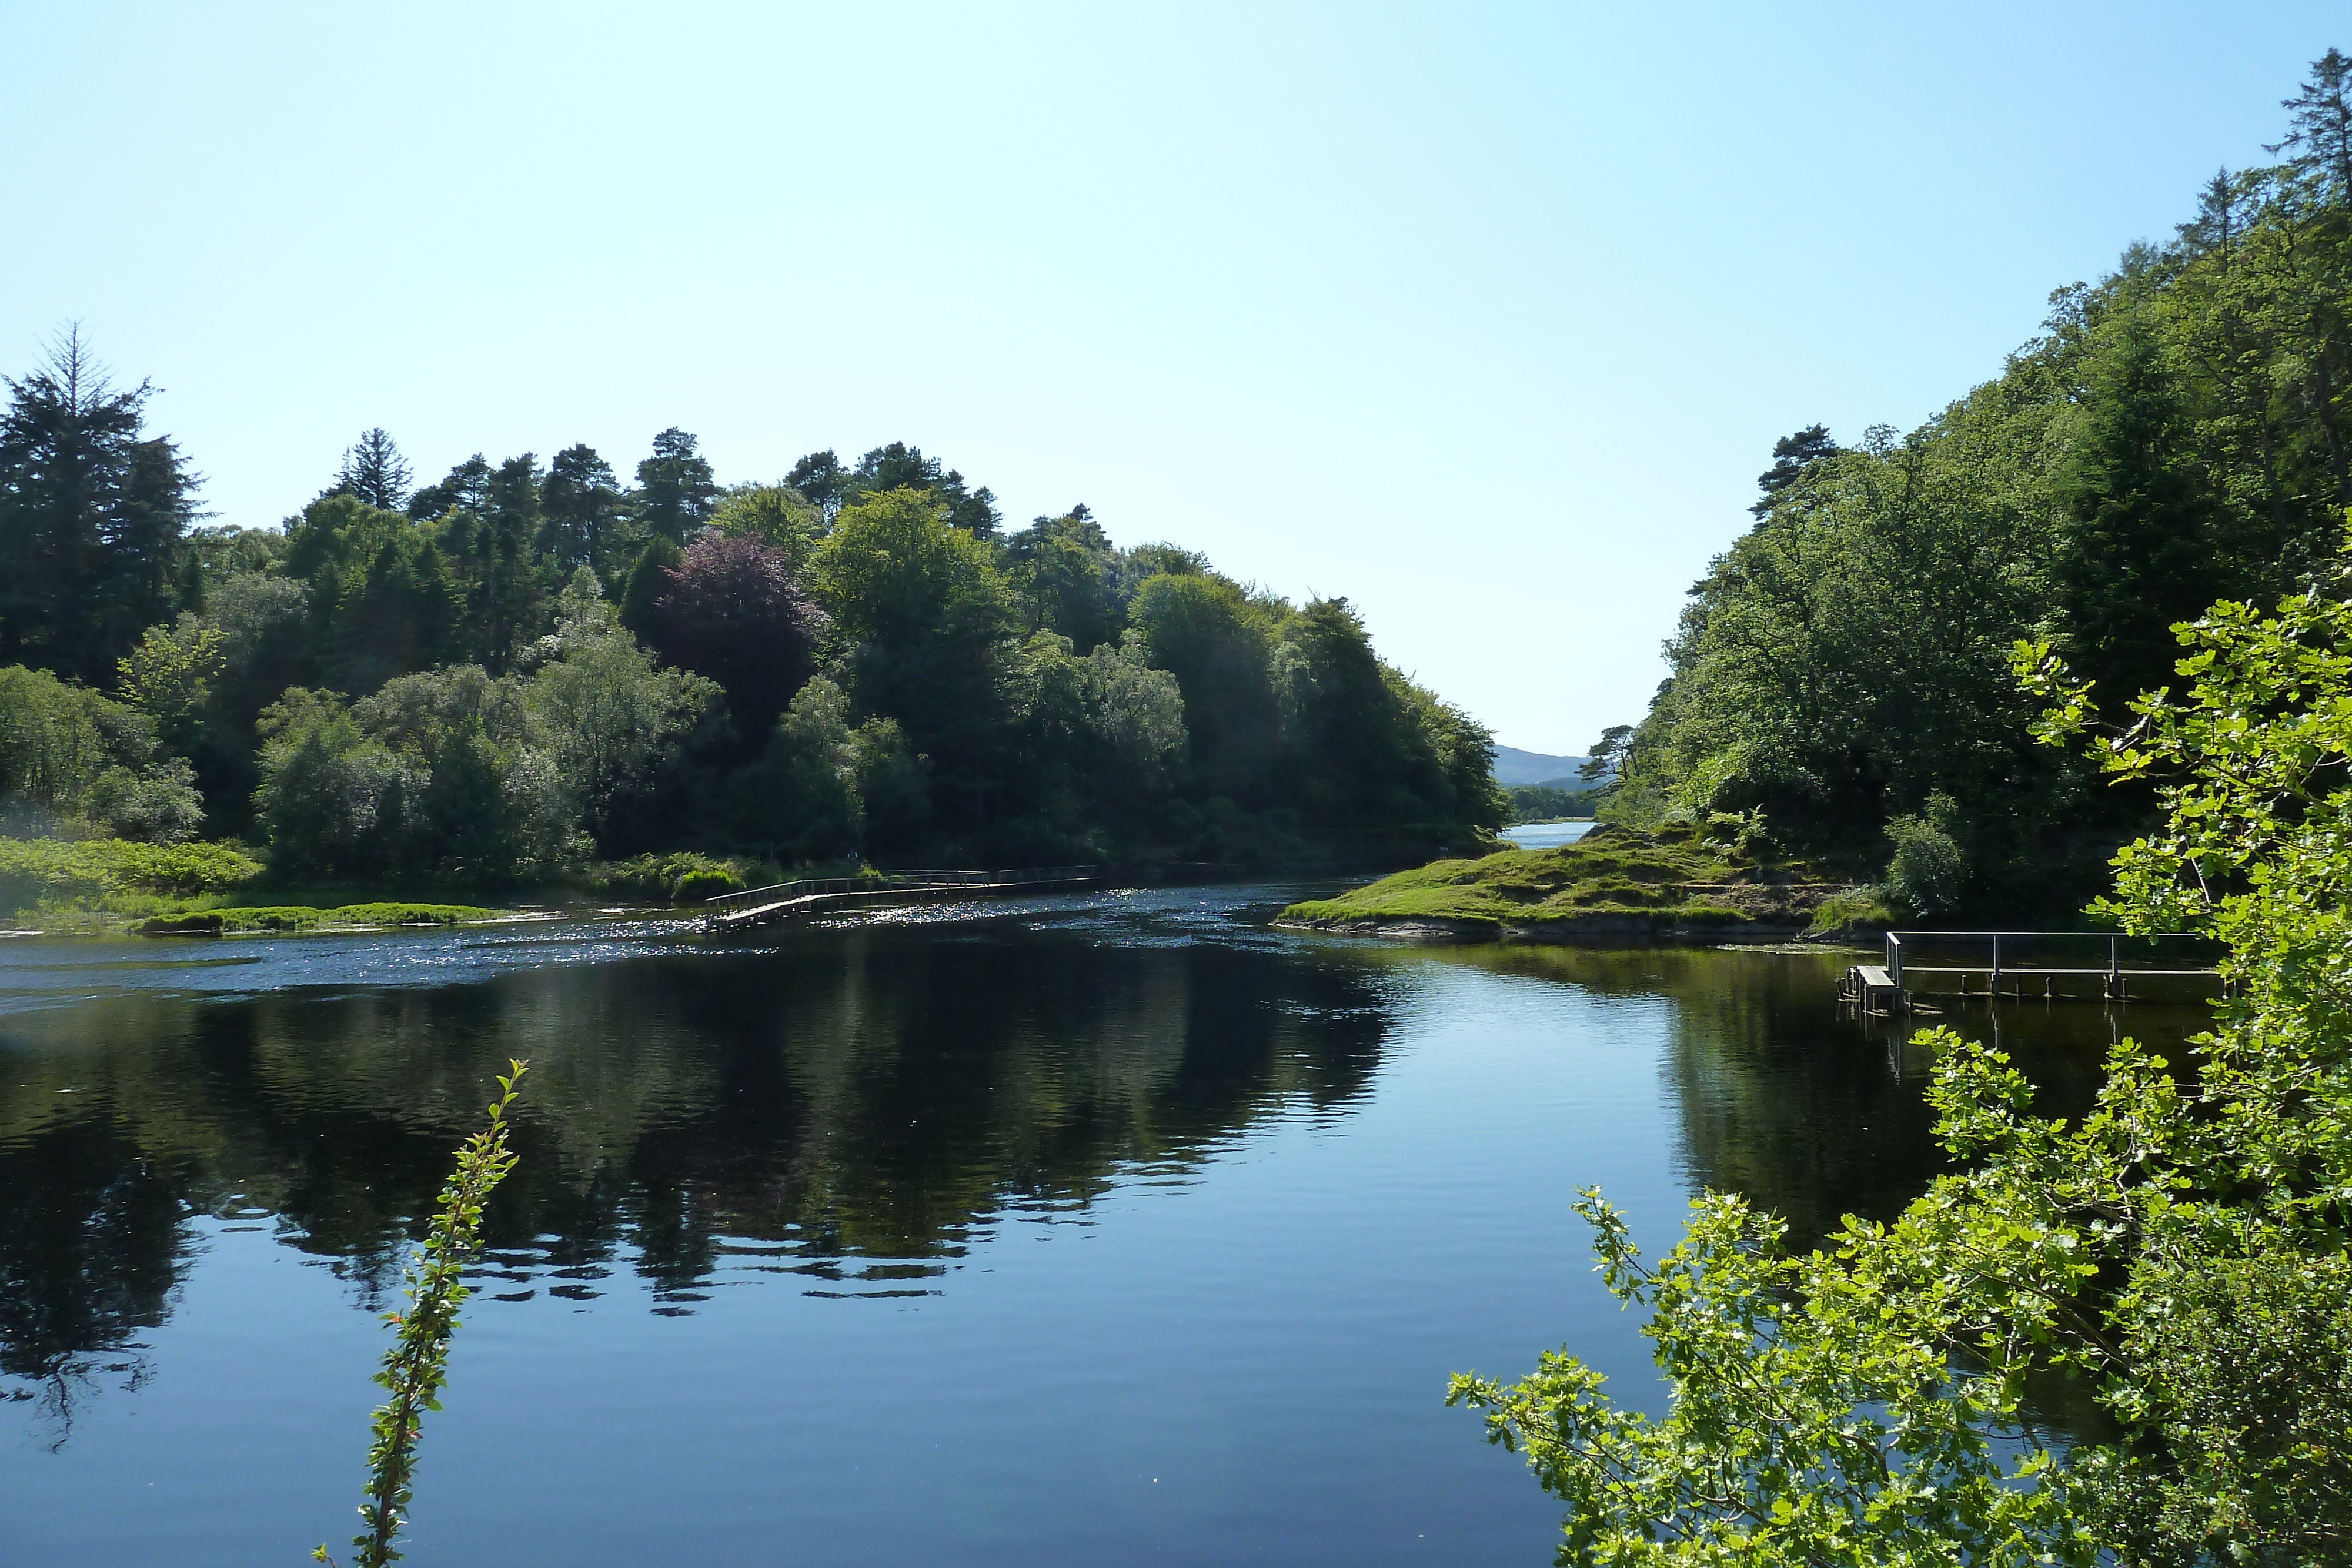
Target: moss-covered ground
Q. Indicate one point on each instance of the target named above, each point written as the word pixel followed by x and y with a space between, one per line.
pixel 1613 882
pixel 291 917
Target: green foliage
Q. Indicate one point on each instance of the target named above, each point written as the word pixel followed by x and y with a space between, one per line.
pixel 583 515
pixel 607 717
pixel 676 493
pixel 33 869
pixel 1853 913
pixel 1066 576
pixel 696 887
pixel 416 1367
pixel 1548 802
pixel 1829 1435
pixel 168 675
pixel 2181 1250
pixel 1929 872
pixel 648 580
pixel 1214 640
pixel 1612 881
pixel 293 917
pixel 2179 432
pixel 442 774
pixel 92 517
pixel 895 574
pixel 666 878
pixel 805 797
pixel 777 516
pixel 432 684
pixel 70 758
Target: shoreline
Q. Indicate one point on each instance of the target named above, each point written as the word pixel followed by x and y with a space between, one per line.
pixel 1429 930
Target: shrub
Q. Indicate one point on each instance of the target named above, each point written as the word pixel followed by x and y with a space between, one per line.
pixel 682 878
pixel 697 885
pixel 1929 869
pixel 35 869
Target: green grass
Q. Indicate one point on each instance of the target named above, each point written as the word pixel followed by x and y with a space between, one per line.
pixel 1612 879
pixel 290 918
pixel 35 869
pixel 682 878
pixel 1859 912
pixel 101 885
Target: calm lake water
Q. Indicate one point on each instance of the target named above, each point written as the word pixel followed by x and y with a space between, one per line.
pixel 1079 1230
pixel 1546 835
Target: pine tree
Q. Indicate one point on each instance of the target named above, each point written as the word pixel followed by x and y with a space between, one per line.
pixel 375 471
pixel 466 489
pixel 91 518
pixel 675 491
pixel 2319 117
pixel 1791 455
pixel 580 511
pixel 2137 518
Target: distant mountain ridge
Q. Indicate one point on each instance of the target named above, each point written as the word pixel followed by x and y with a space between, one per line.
pixel 1513 766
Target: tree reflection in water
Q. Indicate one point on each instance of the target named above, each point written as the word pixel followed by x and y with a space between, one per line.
pixel 855 1108
pixel 846 1114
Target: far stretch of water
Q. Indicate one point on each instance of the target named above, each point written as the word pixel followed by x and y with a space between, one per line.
pixel 1546 835
pixel 1080 1230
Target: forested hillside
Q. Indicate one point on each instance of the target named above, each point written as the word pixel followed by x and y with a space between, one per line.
pixel 527 665
pixel 2180 432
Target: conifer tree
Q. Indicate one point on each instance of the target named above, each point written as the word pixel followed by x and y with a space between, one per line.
pixel 580 511
pixel 2137 548
pixel 676 492
pixel 91 517
pixel 375 471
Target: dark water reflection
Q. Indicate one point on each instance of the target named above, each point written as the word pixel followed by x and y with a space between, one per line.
pixel 1309 1177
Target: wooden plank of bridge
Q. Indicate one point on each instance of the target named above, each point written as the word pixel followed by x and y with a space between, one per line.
pixel 785 909
pixel 1871 982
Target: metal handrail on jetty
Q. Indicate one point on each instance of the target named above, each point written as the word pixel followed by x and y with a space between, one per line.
pixel 808 895
pixel 1891 985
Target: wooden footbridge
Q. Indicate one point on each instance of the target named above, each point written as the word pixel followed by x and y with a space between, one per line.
pixel 2054 965
pixel 821 895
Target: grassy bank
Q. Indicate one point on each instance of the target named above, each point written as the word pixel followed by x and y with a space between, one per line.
pixel 1614 884
pixel 295 917
pixel 95 886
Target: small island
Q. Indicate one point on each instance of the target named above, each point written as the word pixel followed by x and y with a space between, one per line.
pixel 1614 885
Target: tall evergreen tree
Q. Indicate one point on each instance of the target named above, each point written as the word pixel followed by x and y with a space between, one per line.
pixel 821 477
pixel 375 471
pixel 582 513
pixel 676 492
pixel 464 490
pixel 2319 125
pixel 1790 456
pixel 91 518
pixel 2136 531
pixel 506 602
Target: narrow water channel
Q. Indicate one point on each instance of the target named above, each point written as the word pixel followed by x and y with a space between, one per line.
pixel 1079 1230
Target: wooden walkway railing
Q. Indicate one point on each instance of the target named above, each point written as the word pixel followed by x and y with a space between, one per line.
pixel 1923 962
pixel 809 895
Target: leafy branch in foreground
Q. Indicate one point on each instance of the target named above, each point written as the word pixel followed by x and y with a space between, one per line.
pixel 417 1365
pixel 2181 1252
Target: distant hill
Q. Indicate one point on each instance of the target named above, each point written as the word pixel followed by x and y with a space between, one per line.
pixel 1513 766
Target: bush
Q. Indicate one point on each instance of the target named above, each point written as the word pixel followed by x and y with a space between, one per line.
pixel 1855 912
pixel 682 878
pixel 1929 869
pixel 35 869
pixel 698 885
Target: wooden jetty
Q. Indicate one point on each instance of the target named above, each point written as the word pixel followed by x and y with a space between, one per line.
pixel 1947 963
pixel 819 896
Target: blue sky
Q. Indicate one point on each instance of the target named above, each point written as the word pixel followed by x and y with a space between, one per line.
pixel 1486 316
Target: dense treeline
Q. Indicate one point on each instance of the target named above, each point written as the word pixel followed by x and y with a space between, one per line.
pixel 524 666
pixel 1550 802
pixel 2179 434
